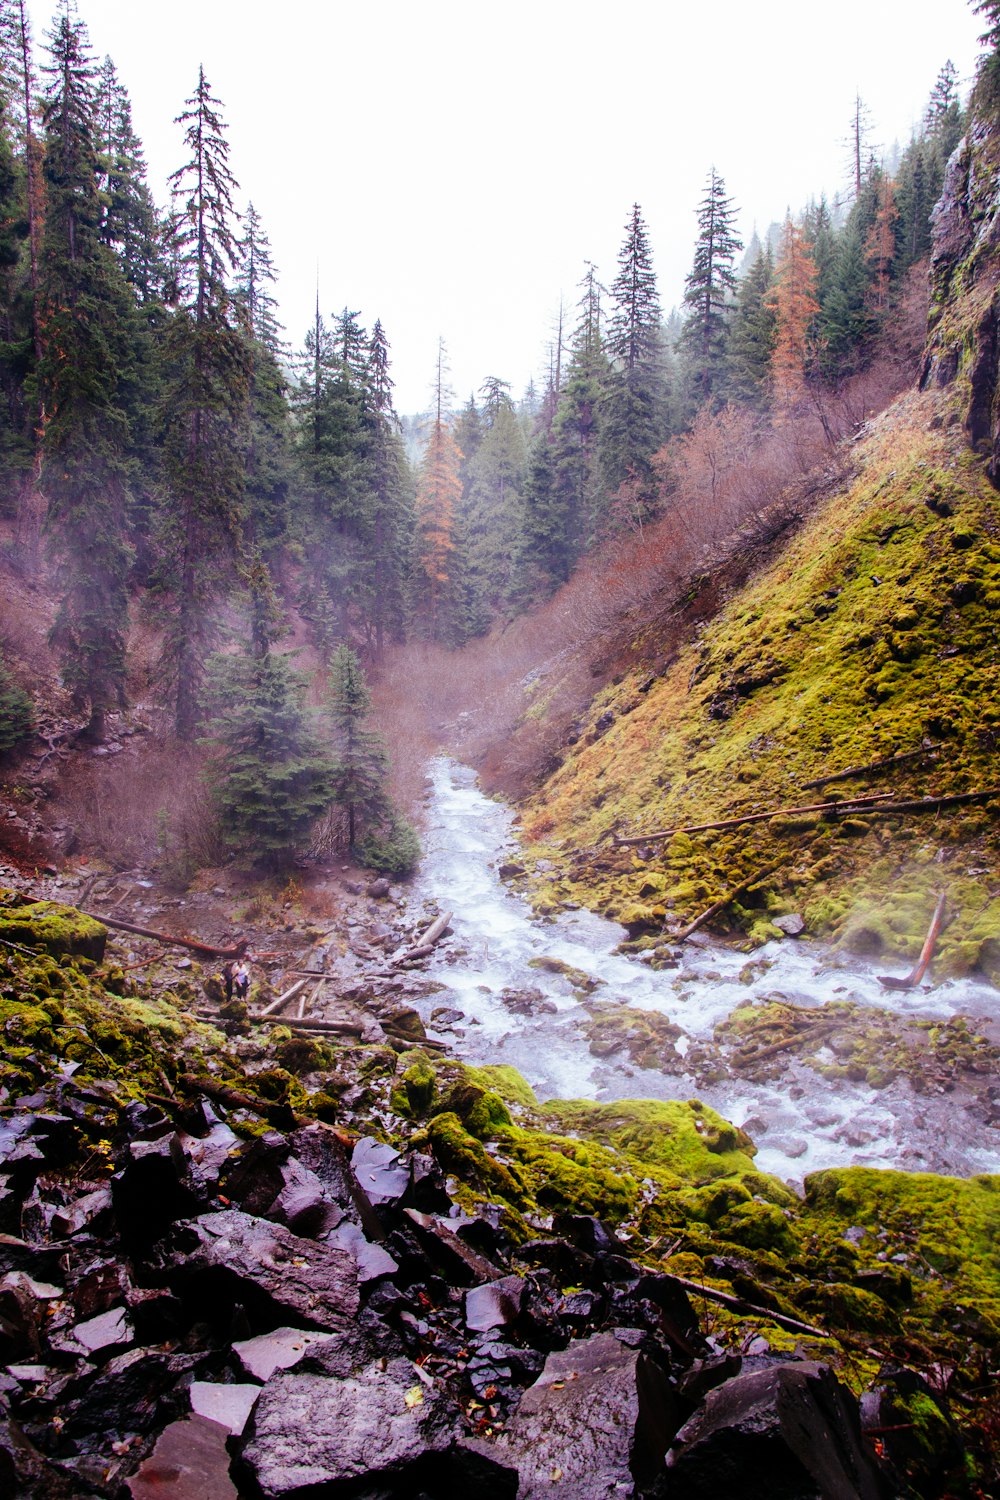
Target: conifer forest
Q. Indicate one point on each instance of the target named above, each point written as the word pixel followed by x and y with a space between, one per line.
pixel 499 903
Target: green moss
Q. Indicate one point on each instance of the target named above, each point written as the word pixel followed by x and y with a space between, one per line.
pixel 505 1081
pixel 689 1141
pixel 465 1156
pixel 572 1176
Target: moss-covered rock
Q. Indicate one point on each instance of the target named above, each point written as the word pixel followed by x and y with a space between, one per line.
pixel 55 929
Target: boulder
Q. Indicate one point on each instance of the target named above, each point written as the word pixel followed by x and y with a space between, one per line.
pixel 223 1260
pixel 786 1432
pixel 600 1416
pixel 190 1462
pixel 323 1433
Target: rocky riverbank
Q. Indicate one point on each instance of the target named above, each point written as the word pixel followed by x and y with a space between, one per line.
pixel 279 1265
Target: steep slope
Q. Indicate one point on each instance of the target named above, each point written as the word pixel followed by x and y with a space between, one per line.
pixel 873 633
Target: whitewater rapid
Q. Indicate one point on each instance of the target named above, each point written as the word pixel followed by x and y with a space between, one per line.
pixel 801 1122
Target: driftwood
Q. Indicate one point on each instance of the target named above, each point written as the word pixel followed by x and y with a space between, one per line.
pixel 738 1304
pixel 722 903
pixel 208 950
pixel 282 1000
pixel 805 1033
pixel 873 768
pixel 845 807
pixel 926 953
pixel 427 940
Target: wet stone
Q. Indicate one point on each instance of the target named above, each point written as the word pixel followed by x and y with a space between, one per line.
pixel 231 1258
pixel 778 1433
pixel 373 1262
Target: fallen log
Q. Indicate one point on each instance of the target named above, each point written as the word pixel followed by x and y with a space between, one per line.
pixel 873 768
pixel 805 1033
pixel 723 902
pixel 926 953
pixel 282 1000
pixel 208 950
pixel 840 804
pixel 740 1305
pixel 843 807
pixel 337 1028
pixel 427 940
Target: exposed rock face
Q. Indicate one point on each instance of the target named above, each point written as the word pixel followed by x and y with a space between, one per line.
pixel 964 329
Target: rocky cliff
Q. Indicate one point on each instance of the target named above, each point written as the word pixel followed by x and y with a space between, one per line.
pixel 964 332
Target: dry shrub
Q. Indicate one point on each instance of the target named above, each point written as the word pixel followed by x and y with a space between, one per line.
pixel 139 810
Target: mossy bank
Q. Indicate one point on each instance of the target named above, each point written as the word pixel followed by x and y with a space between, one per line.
pixel 871 634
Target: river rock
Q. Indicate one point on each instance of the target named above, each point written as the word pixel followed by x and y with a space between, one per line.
pixel 599 1416
pixel 788 1432
pixel 791 925
pixel 260 1357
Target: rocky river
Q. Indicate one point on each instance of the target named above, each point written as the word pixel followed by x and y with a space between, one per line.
pixel 539 994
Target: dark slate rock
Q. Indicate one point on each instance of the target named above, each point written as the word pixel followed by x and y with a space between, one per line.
pixel 600 1417
pixel 280 1350
pixel 228 1404
pixel 231 1258
pixel 151 1190
pixel 460 1261
pixel 930 1459
pixel 382 1175
pixel 24 1472
pixel 207 1155
pixel 373 1261
pixel 91 1212
pixel 253 1177
pixel 498 1304
pixel 316 1434
pixel 790 1432
pixel 190 1462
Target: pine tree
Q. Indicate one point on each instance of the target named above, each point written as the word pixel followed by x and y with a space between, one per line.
pixel 751 339
pixel 793 298
pixel 380 837
pixel 15 328
pixel 880 247
pixel 709 291
pixel 268 452
pixel 629 415
pixel 361 763
pixel 392 520
pixel 130 227
pixel 84 321
pixel 205 400
pixel 439 494
pixel 270 775
pixel 492 508
pixel 17 70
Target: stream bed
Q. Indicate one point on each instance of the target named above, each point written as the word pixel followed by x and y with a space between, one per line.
pixel 801 1121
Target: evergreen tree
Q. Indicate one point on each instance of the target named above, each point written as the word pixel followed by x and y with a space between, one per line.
pixel 846 323
pixel 15 328
pixel 268 454
pixel 629 415
pixel 392 521
pixel 751 340
pixel 491 511
pixel 17 714
pixel 438 498
pixel 207 361
pixel 360 767
pixel 709 291
pixel 131 227
pixel 271 778
pixel 19 106
pixel 379 835
pixel 84 317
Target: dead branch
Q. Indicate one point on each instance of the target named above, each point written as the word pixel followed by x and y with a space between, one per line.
pixel 427 940
pixel 282 1000
pixel 805 1033
pixel 170 939
pixel 844 807
pixel 873 768
pixel 739 1305
pixel 723 902
pixel 926 953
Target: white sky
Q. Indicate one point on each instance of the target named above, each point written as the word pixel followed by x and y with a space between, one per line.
pixel 450 165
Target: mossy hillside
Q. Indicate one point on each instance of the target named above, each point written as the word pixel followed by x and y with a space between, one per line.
pixel 876 629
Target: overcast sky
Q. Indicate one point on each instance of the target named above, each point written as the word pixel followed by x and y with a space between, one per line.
pixel 449 166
